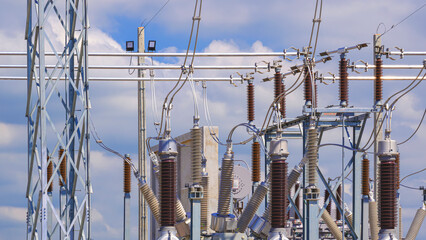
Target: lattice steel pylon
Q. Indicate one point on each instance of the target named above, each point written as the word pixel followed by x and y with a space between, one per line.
pixel 62 213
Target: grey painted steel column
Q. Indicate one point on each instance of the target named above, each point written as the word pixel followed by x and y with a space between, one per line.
pixel 356 185
pixel 142 215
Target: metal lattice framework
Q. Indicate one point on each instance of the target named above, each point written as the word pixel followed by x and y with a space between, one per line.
pixel 62 213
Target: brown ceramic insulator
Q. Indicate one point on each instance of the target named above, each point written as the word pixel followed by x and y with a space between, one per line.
pixel 326 196
pixel 277 84
pixel 49 175
pixel 378 82
pixel 397 171
pixel 279 200
pixel 387 195
pixel 316 94
pixel 255 157
pixel 307 85
pixel 365 177
pixel 63 168
pixel 250 102
pixel 343 83
pixel 339 202
pixel 168 192
pixel 283 101
pixel 127 187
pixel 297 201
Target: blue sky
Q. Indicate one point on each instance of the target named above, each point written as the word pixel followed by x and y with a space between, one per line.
pixel 226 26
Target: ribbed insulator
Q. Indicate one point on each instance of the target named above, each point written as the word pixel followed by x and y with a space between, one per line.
pixel 316 94
pixel 400 222
pixel 297 201
pixel 334 229
pixel 387 195
pixel 365 177
pixel 226 181
pixel 196 158
pixel 152 201
pixel 49 175
pixel 63 168
pixel 373 220
pixel 416 224
pixel 312 155
pixel 250 102
pixel 308 85
pixel 168 192
pixel 292 179
pixel 378 83
pixel 277 84
pixel 251 207
pixel 255 164
pixel 339 202
pixel 343 83
pixel 205 203
pixel 397 173
pixel 283 101
pixel 326 196
pixel 127 177
pixel 350 217
pixel 279 200
pixel 180 211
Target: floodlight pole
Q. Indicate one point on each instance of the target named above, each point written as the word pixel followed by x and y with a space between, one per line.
pixel 143 223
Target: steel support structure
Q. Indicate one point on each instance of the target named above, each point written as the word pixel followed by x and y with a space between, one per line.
pixel 48 21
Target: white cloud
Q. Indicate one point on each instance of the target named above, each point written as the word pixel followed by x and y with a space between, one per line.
pixel 10 134
pixel 15 214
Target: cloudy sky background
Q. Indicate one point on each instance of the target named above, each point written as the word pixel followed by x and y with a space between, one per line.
pixel 226 26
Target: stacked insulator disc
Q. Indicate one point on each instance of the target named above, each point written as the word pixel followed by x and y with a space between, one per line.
pixel 127 177
pixel 316 94
pixel 180 211
pixel 326 196
pixel 168 192
pixel 63 168
pixel 397 163
pixel 278 194
pixel 152 201
pixel 196 148
pixel 387 195
pixel 277 84
pixel 204 202
pixel 308 85
pixel 365 177
pixel 339 202
pixel 226 181
pixel 283 101
pixel 250 102
pixel 279 88
pixel 312 155
pixel 255 156
pixel 378 83
pixel 343 84
pixel 49 175
pixel 251 207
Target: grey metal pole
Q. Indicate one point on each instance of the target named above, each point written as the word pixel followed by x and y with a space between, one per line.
pixel 142 216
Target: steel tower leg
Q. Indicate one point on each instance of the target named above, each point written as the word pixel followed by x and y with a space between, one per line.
pixel 44 95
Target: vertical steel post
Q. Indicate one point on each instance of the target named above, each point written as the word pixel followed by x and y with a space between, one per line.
pixel 142 209
pixel 195 194
pixel 356 184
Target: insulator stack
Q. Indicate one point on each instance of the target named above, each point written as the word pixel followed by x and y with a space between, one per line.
pixel 168 192
pixel 397 171
pixel 365 177
pixel 152 201
pixel 226 181
pixel 250 102
pixel 378 83
pixel 312 155
pixel 49 175
pixel 343 83
pixel 339 202
pixel 205 202
pixel 334 229
pixel 180 211
pixel 255 156
pixel 63 168
pixel 127 177
pixel 277 84
pixel 387 195
pixel 278 194
pixel 252 207
pixel 416 224
pixel 297 201
pixel 283 101
pixel 326 196
pixel 316 94
pixel 308 85
pixel 373 220
pixel 196 149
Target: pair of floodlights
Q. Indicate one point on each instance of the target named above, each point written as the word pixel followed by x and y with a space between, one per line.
pixel 130 46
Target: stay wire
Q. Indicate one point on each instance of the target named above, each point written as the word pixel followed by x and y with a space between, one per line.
pixel 155 15
pixel 411 174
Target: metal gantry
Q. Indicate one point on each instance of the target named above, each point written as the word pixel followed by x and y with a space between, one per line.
pixel 64 212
